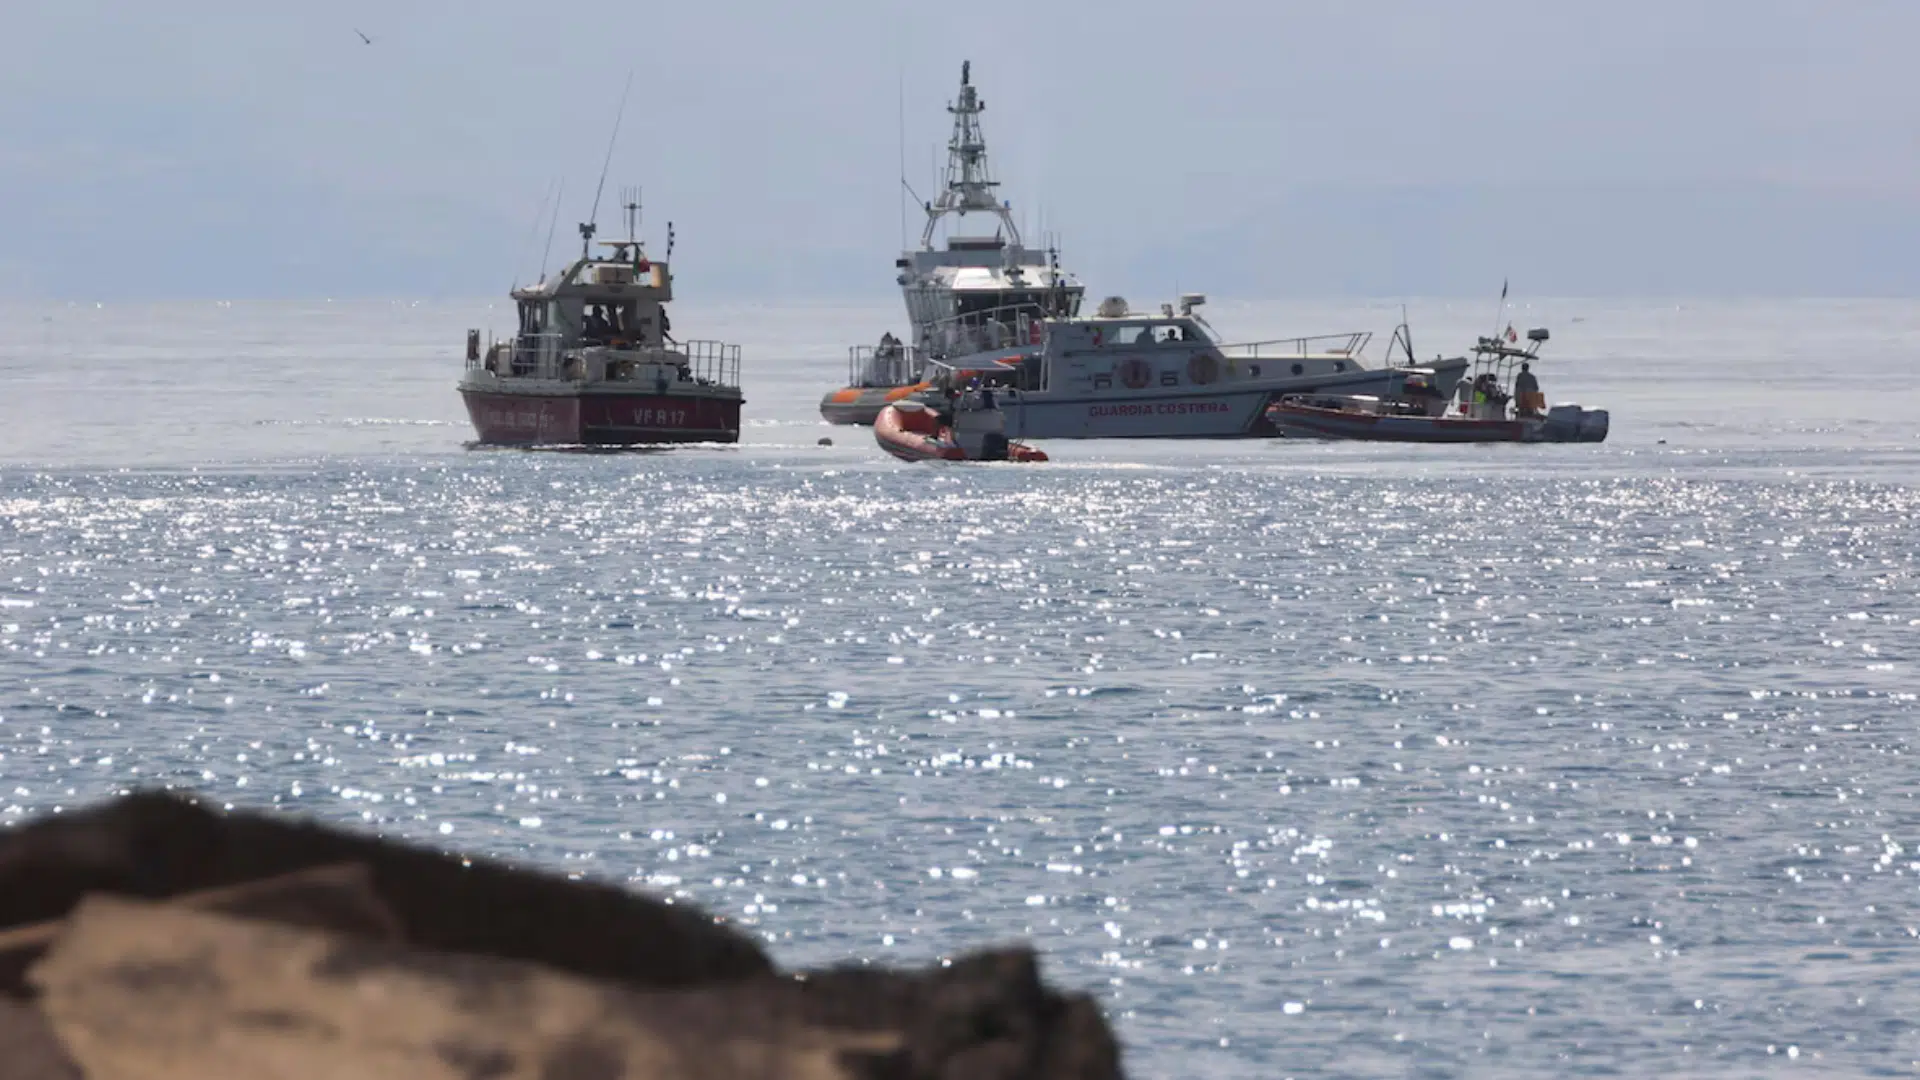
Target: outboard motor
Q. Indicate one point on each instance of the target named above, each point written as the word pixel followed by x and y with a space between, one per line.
pixel 1563 423
pixel 1593 426
pixel 980 432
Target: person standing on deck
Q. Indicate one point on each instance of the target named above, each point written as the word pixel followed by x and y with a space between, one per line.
pixel 1525 390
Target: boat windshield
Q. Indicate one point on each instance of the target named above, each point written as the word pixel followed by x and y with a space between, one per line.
pixel 1157 332
pixel 536 316
pixel 978 307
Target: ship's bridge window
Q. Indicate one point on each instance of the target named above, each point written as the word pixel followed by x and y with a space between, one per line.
pixel 1153 333
pixel 1006 304
pixel 613 322
pixel 975 307
pixel 534 317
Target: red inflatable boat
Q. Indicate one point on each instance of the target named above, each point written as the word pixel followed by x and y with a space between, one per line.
pixel 912 432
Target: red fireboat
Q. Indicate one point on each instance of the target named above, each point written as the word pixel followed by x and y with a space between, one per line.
pixel 594 361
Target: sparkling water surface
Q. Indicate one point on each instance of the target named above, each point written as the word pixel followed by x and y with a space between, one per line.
pixel 1305 759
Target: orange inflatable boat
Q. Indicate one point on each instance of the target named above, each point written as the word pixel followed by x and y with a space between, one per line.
pixel 912 432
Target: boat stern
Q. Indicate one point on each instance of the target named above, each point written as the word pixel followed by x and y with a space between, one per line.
pixel 1571 423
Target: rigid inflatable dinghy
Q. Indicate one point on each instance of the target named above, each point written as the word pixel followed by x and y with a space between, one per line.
pixel 912 432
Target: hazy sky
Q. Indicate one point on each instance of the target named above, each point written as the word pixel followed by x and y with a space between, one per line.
pixel 232 148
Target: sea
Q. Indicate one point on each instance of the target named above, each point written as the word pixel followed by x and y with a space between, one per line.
pixel 1303 759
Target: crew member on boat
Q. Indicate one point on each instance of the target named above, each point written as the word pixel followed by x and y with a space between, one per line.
pixel 1526 391
pixel 1486 390
pixel 593 328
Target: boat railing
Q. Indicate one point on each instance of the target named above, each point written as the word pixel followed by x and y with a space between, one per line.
pixel 1345 345
pixel 713 363
pixel 544 356
pixel 884 365
pixel 990 329
pixel 531 356
pixel 1494 349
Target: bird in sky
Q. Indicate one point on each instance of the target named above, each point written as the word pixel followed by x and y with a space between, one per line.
pixel 363 37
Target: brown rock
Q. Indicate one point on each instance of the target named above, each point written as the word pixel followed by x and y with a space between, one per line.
pixel 339 898
pixel 693 1000
pixel 986 1016
pixel 140 991
pixel 157 845
pixel 28 1048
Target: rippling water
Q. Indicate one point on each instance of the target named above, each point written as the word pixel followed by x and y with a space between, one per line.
pixel 1305 759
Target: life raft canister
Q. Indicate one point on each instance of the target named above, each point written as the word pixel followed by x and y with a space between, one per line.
pixel 1203 369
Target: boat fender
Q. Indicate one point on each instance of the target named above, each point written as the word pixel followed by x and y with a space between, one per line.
pixel 1033 333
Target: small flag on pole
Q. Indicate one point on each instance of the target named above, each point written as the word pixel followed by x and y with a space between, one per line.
pixel 1503 288
pixel 1511 336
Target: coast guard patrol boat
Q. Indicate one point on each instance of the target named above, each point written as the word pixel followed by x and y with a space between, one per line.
pixel 979 294
pixel 1124 374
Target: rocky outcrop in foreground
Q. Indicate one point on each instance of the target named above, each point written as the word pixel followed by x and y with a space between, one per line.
pixel 152 939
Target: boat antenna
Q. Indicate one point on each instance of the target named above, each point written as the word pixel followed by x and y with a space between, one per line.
pixel 1053 279
pixel 1502 313
pixel 533 233
pixel 588 226
pixel 630 202
pixel 1407 327
pixel 904 189
pixel 669 241
pixel 551 226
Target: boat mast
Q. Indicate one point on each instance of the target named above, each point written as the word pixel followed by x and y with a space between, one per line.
pixel 589 226
pixel 552 224
pixel 631 204
pixel 969 181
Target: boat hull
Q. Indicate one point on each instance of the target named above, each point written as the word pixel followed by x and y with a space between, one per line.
pixel 862 404
pixel 1235 411
pixel 1311 422
pixel 600 418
